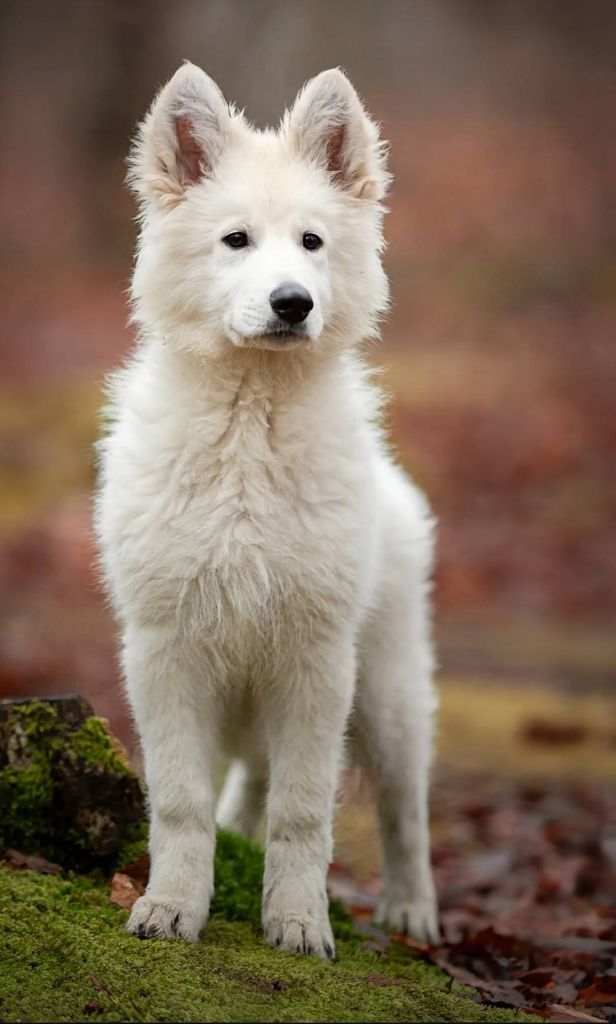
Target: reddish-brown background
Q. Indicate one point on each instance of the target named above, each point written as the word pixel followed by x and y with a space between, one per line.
pixel 500 350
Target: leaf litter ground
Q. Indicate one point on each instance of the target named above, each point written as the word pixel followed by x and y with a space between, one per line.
pixel 527 883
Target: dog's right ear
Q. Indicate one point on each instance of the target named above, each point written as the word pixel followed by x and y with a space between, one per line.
pixel 181 138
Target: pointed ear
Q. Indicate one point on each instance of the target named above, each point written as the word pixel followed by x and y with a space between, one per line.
pixel 329 126
pixel 181 137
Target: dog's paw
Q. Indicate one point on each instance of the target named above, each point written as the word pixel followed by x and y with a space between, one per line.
pixel 310 935
pixel 417 918
pixel 153 918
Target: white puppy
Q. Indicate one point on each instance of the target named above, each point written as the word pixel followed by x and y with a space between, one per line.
pixel 267 560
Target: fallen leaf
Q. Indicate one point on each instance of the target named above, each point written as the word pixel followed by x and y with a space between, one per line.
pixel 125 891
pixel 383 979
pixel 602 990
pixel 97 983
pixel 31 862
pixel 93 1006
pixel 562 1014
pixel 407 940
pixel 138 869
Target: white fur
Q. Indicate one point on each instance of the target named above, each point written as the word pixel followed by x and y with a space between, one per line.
pixel 267 560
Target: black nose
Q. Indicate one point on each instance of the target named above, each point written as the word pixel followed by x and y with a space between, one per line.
pixel 291 302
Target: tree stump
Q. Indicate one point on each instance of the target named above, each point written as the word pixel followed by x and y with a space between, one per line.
pixel 66 789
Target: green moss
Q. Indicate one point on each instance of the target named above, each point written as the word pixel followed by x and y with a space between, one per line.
pixel 64 792
pixel 38 720
pixel 90 743
pixel 26 789
pixel 134 846
pixel 66 955
pixel 25 797
pixel 238 871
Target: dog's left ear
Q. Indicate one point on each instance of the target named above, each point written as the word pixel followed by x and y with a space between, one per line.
pixel 329 126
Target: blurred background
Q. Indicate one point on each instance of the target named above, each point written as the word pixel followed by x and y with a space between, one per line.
pixel 499 354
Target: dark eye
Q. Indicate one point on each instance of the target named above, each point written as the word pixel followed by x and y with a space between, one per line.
pixel 236 240
pixel 311 241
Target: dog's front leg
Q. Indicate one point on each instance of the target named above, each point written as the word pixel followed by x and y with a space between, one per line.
pixel 306 712
pixel 173 707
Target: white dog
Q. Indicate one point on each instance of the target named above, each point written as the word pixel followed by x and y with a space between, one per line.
pixel 268 561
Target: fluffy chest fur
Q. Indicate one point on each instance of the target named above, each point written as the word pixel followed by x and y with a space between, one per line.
pixel 236 500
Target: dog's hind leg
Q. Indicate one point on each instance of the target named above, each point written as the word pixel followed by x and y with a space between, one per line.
pixel 242 798
pixel 396 705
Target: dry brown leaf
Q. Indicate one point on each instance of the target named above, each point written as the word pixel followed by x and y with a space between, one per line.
pixel 93 1006
pixel 562 1014
pixel 125 891
pixel 31 862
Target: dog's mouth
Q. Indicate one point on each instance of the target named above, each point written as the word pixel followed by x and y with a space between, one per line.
pixel 279 336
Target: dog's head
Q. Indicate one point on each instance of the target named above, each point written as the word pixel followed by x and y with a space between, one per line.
pixel 259 239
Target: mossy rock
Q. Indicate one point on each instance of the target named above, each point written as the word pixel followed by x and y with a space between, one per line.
pixel 65 790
